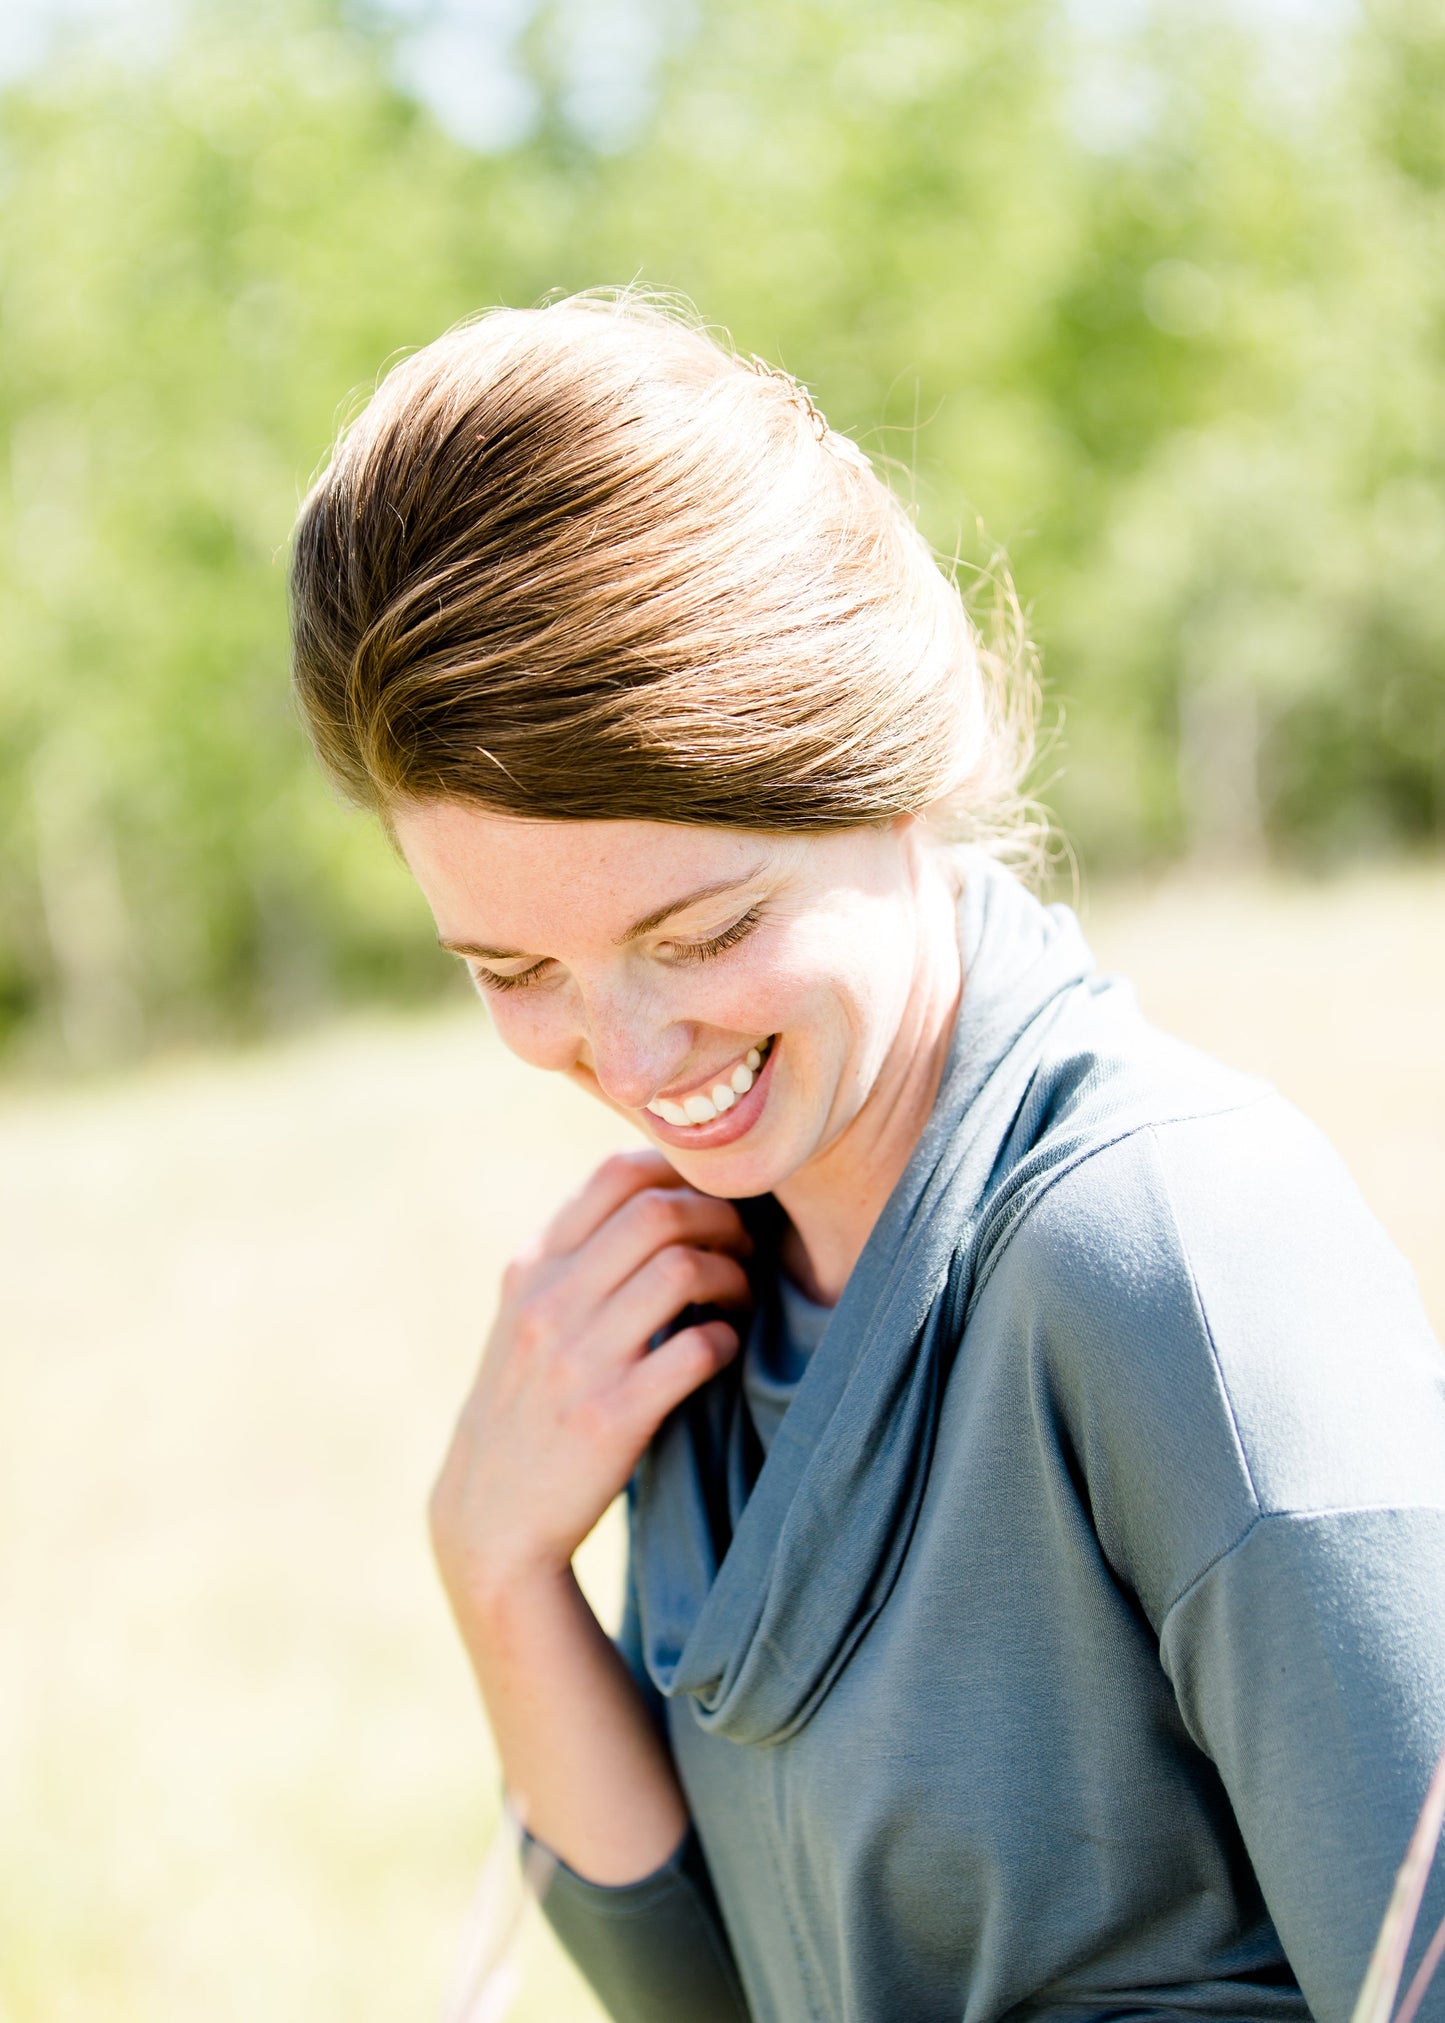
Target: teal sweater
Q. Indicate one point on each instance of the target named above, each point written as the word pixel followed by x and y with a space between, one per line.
pixel 1077 1647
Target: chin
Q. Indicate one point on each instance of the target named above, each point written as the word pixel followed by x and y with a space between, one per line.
pixel 759 1163
pixel 732 1179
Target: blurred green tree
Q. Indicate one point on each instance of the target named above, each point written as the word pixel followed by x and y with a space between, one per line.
pixel 1158 306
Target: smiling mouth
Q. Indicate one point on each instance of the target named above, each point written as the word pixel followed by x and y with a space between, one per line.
pixel 714 1099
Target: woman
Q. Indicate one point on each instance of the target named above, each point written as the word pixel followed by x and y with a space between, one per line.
pixel 1037 1452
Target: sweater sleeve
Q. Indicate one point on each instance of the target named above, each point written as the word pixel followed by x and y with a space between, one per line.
pixel 1309 1663
pixel 1257 1405
pixel 653 1951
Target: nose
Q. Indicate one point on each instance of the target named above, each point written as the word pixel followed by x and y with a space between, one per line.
pixel 627 1073
pixel 631 1059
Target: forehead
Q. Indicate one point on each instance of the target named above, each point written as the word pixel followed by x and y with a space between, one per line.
pixel 548 885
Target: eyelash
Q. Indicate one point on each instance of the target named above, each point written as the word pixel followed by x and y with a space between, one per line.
pixel 704 951
pixel 685 951
pixel 490 979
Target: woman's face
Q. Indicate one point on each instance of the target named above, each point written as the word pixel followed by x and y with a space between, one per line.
pixel 738 995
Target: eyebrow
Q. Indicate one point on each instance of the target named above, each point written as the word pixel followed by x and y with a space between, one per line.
pixel 634 933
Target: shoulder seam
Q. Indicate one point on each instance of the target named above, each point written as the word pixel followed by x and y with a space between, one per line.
pixel 1203 1313
pixel 1292 1516
pixel 1149 1130
pixel 1012 1225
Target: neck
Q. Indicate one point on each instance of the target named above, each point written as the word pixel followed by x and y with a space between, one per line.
pixel 833 1202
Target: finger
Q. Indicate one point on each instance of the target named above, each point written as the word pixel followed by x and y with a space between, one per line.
pixel 648 1223
pixel 675 1278
pixel 658 1384
pixel 615 1181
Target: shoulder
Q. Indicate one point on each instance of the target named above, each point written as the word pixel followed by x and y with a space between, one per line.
pixel 1217 1271
pixel 1090 1286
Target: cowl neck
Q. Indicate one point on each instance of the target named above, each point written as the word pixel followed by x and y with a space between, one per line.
pixel 756 1579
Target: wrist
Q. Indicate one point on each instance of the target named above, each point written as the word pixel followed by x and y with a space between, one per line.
pixel 508 1595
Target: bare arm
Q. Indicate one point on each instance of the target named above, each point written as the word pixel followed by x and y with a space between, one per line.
pixel 581 1757
pixel 566 1399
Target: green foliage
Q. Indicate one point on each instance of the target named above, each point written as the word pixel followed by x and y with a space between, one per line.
pixel 1184 362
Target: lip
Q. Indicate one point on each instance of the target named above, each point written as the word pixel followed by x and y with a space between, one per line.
pixel 730 1125
pixel 704 1084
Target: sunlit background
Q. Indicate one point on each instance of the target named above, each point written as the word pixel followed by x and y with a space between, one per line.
pixel 1148 295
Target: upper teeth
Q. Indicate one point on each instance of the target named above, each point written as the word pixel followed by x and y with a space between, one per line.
pixel 702 1109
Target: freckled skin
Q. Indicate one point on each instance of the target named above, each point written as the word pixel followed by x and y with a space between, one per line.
pixel 853 965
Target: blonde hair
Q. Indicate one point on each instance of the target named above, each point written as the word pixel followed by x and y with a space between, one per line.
pixel 583 561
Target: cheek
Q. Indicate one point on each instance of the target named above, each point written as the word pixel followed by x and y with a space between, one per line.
pixel 534 1032
pixel 849 953
pixel 773 988
pixel 804 985
pixel 849 983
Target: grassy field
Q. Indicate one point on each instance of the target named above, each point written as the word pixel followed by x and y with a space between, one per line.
pixel 242 1772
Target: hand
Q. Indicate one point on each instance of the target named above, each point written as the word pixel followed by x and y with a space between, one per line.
pixel 568 1395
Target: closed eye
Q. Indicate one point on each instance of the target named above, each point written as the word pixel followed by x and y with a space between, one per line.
pixel 493 979
pixel 682 951
pixel 704 951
